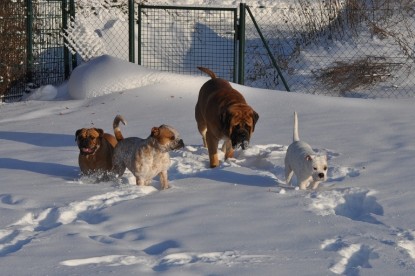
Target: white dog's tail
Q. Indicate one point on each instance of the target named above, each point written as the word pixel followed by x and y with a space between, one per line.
pixel 296 137
pixel 116 127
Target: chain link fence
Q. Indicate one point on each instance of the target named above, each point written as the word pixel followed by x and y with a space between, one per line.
pixel 48 51
pixel 178 39
pixel 100 27
pixel 167 38
pixel 338 48
pixel 350 48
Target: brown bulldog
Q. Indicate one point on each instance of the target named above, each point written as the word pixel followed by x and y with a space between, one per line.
pixel 222 113
pixel 96 149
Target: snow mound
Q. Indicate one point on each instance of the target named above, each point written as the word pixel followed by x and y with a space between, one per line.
pixel 106 74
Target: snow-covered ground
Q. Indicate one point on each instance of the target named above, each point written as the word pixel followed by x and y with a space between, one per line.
pixel 231 220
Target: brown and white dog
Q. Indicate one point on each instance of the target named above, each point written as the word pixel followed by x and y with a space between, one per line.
pixel 221 112
pixel 96 149
pixel 145 158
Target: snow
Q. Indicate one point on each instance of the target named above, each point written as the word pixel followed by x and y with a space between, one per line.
pixel 237 219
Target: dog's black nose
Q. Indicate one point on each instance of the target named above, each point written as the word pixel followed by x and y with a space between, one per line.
pixel 321 175
pixel 244 144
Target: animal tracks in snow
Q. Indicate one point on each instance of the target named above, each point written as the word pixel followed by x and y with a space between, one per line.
pixel 265 160
pixel 227 258
pixel 110 260
pixel 23 231
pixel 352 256
pixel 9 200
pixel 354 203
pixel 407 242
pixel 359 205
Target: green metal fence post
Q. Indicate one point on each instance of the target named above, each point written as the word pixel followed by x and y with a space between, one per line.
pixel 241 36
pixel 139 35
pixel 235 46
pixel 131 31
pixel 72 15
pixel 274 62
pixel 29 39
pixel 64 8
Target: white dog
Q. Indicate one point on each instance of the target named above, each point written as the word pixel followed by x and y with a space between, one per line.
pixel 308 166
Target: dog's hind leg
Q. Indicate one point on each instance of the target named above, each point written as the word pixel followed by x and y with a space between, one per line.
pixel 203 133
pixel 201 125
pixel 212 144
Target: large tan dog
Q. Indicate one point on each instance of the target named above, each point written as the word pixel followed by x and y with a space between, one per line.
pixel 222 113
pixel 145 158
pixel 96 149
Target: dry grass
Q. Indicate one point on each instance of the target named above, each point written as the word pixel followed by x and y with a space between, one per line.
pixel 389 21
pixel 344 77
pixel 12 45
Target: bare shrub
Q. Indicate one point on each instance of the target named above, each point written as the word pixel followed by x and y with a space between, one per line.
pixel 12 45
pixel 344 77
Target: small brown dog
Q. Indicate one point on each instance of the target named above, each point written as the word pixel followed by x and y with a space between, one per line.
pixel 145 158
pixel 96 149
pixel 221 112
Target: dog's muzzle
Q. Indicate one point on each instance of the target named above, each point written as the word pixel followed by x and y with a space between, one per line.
pixel 319 176
pixel 244 145
pixel 85 149
pixel 178 145
pixel 240 138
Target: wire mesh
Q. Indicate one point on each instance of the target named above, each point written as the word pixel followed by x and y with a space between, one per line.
pixel 180 39
pixel 48 44
pixel 340 48
pixel 99 27
pixel 336 48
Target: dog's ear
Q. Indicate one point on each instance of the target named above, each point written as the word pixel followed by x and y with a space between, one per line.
pixel 155 131
pixel 309 157
pixel 77 133
pixel 225 119
pixel 255 117
pixel 100 131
